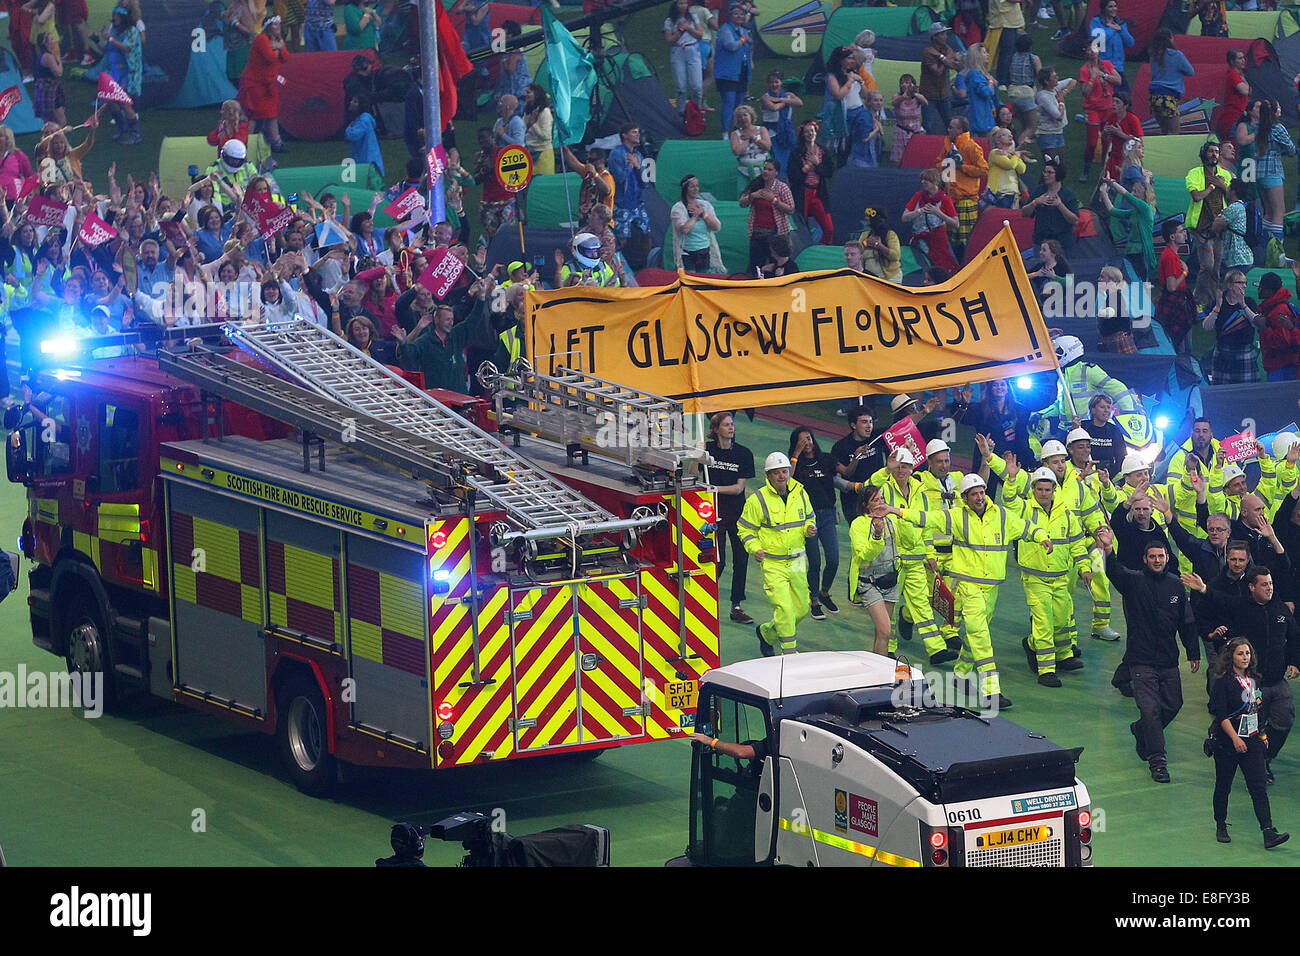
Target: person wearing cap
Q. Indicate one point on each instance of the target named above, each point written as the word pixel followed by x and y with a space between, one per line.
pixel 259 86
pixel 1046 577
pixel 773 525
pixel 939 484
pixel 901 489
pixel 1158 611
pixel 982 533
pixel 921 412
pixel 585 267
pixel 938 60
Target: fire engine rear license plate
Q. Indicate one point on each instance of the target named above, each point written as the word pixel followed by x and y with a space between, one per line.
pixel 682 694
pixel 997 838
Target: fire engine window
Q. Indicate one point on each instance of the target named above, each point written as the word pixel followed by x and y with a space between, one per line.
pixel 119 449
pixel 51 435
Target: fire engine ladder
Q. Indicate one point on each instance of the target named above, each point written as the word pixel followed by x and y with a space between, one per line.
pixel 589 414
pixel 540 506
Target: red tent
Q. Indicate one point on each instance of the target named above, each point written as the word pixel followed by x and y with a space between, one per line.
pixel 923 150
pixel 1209 82
pixel 311 100
pixel 989 225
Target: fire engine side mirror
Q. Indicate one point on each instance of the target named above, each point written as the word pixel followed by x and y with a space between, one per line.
pixel 16 461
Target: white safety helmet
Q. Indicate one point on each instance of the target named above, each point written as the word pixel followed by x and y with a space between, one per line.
pixel 1231 472
pixel 900 401
pixel 1282 443
pixel 1077 434
pixel 776 460
pixel 234 153
pixel 586 249
pixel 969 482
pixel 1133 463
pixel 1042 474
pixel 1051 448
pixel 935 446
pixel 1069 348
pixel 904 456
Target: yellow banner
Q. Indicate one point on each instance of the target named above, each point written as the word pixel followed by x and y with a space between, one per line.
pixel 715 344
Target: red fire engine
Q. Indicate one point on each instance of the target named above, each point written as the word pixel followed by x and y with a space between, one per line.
pixel 284 532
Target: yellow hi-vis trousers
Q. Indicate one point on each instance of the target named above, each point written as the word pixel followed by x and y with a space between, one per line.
pixel 915 599
pixel 948 631
pixel 786 584
pixel 1100 590
pixel 975 604
pixel 1051 615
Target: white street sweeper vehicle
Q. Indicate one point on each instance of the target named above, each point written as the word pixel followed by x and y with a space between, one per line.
pixel 846 759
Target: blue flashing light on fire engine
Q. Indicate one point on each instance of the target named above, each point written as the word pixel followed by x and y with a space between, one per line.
pixel 1162 422
pixel 1024 383
pixel 61 347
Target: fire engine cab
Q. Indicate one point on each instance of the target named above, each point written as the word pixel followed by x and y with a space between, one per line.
pixel 268 525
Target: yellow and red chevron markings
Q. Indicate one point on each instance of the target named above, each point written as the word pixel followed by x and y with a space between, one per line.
pixel 610 632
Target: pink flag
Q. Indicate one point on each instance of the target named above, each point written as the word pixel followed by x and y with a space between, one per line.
pixel 404 205
pixel 111 91
pixel 94 231
pixel 905 434
pixel 436 161
pixel 9 99
pixel 46 212
pixel 274 218
pixel 442 273
pixel 28 186
pixel 1238 448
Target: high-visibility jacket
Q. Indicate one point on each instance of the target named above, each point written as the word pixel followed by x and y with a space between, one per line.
pixel 1083 380
pixel 1277 479
pixel 979 542
pixel 774 525
pixel 1064 529
pixel 1081 495
pixel 863 548
pixel 940 496
pixel 913 546
pixel 1178 463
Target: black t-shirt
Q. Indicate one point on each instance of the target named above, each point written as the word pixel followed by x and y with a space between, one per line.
pixel 1108 445
pixel 731 465
pixel 817 475
pixel 861 470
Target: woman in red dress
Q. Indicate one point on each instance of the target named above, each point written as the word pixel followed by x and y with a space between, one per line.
pixel 259 87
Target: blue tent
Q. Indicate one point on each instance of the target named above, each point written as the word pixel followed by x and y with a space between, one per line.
pixel 205 81
pixel 22 118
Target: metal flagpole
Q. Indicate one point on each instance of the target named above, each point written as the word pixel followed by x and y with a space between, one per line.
pixel 432 104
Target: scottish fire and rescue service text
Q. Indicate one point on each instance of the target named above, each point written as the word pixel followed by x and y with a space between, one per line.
pixel 295 500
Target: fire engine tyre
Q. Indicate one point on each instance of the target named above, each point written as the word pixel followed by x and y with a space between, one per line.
pixel 88 648
pixel 302 733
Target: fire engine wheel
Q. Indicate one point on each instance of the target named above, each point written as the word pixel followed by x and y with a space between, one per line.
pixel 302 731
pixel 88 649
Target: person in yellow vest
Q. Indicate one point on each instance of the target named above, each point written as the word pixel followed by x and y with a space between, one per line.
pixel 873 568
pixel 773 525
pixel 1083 487
pixel 981 533
pixel 902 489
pixel 1046 577
pixel 939 483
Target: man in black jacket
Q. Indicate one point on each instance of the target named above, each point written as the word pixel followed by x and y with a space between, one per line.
pixel 1135 527
pixel 1269 626
pixel 1156 609
pixel 1253 528
pixel 1209 557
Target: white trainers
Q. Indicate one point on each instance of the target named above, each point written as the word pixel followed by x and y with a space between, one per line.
pixel 1106 634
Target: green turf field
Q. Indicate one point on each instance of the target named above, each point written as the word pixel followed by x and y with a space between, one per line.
pixel 128 790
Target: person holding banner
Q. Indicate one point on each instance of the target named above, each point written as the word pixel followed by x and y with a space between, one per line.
pixel 982 533
pixel 773 526
pixel 126 67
